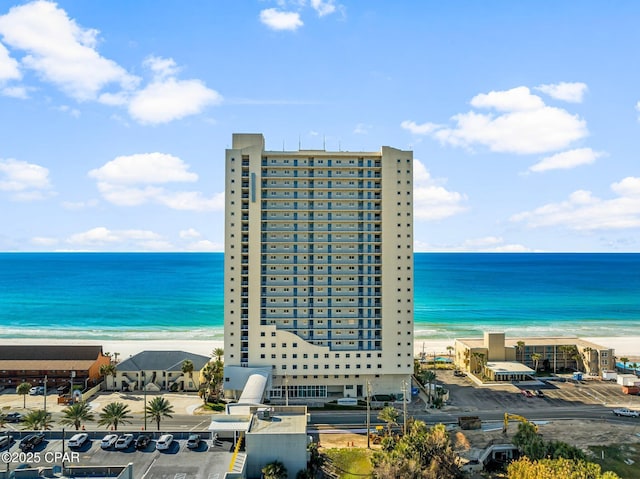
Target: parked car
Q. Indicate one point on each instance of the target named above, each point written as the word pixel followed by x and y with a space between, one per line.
pixel 626 412
pixel 164 442
pixel 64 389
pixel 31 440
pixel 109 441
pixel 142 441
pixel 124 441
pixel 36 390
pixel 13 417
pixel 459 373
pixel 193 442
pixel 539 393
pixel 77 440
pixel 5 441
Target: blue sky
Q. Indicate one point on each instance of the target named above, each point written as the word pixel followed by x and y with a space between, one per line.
pixel 523 117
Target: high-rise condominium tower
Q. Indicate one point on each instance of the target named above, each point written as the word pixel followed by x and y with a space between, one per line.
pixel 319 269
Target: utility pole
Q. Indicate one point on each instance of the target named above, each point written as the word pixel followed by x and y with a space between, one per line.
pixel 45 394
pixel 144 387
pixel 368 414
pixel 404 407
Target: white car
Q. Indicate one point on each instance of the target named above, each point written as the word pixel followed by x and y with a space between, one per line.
pixel 124 441
pixel 108 441
pixel 77 440
pixel 626 412
pixel 164 442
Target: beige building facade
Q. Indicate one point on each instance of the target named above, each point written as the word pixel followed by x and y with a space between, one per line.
pixel 318 269
pixel 552 354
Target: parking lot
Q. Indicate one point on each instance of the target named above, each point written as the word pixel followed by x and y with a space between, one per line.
pixel 466 395
pixel 210 460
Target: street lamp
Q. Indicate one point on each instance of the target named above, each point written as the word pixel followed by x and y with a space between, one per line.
pixel 404 407
pixel 45 394
pixel 144 388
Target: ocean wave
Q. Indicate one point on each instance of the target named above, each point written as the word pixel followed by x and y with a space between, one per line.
pixel 213 334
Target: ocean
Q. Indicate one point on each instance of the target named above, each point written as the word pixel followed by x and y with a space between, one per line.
pixel 138 296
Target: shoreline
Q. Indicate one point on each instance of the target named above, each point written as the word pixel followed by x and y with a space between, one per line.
pixel 628 346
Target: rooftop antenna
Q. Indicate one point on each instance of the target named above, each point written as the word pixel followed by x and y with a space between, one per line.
pixel 283 145
pixel 339 145
pixel 324 143
pixel 299 143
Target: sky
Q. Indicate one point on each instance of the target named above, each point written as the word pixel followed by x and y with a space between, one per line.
pixel 524 117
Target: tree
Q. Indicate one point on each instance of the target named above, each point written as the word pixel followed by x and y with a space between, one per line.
pixel 23 390
pixel 39 419
pixel 428 377
pixel 389 415
pixel 520 349
pixel 187 368
pixel 587 358
pixel 3 420
pixel 536 359
pixel 565 349
pixel 274 470
pixel 525 468
pixel 422 453
pixel 624 361
pixel 450 351
pixel 479 361
pixel 218 353
pixel 158 408
pixel 76 414
pixel 108 369
pixel 529 441
pixel 212 377
pixel 113 414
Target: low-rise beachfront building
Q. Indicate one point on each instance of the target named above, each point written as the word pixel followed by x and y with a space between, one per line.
pixel 158 370
pixel 498 358
pixel 60 365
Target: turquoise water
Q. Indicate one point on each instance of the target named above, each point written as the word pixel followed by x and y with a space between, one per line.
pixel 180 295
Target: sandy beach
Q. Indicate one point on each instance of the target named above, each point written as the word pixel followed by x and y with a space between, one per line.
pixel 624 346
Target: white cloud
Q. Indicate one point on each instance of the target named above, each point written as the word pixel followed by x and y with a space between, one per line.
pixel 9 69
pixel 569 92
pixel 516 99
pixel 190 233
pixel 101 236
pixel 583 211
pixel 15 92
pixel 566 160
pixel 169 99
pixel 24 181
pixel 416 129
pixel 131 181
pixel 205 245
pixel 431 200
pixel 323 8
pixel 361 129
pixel 61 51
pixel 144 168
pixel 44 241
pixel 523 125
pixel 279 20
pixel 79 205
pixel 487 244
pixel 161 67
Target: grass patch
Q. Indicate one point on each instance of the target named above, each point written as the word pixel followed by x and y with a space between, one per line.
pixel 350 463
pixel 615 457
pixel 215 406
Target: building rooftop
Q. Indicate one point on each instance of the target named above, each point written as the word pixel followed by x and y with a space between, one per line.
pixel 535 341
pixel 38 352
pixel 510 367
pixel 162 361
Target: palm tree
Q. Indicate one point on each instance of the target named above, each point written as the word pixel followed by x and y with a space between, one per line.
pixel 274 470
pixel 389 415
pixel 113 414
pixel 23 389
pixel 450 351
pixel 218 353
pixel 536 358
pixel 624 361
pixel 520 348
pixel 565 349
pixel 76 414
pixel 187 368
pixel 3 420
pixel 39 419
pixel 480 361
pixel 158 408
pixel 429 377
pixel 587 357
pixel 109 369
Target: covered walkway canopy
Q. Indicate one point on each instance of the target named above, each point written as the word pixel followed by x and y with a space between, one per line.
pixel 508 371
